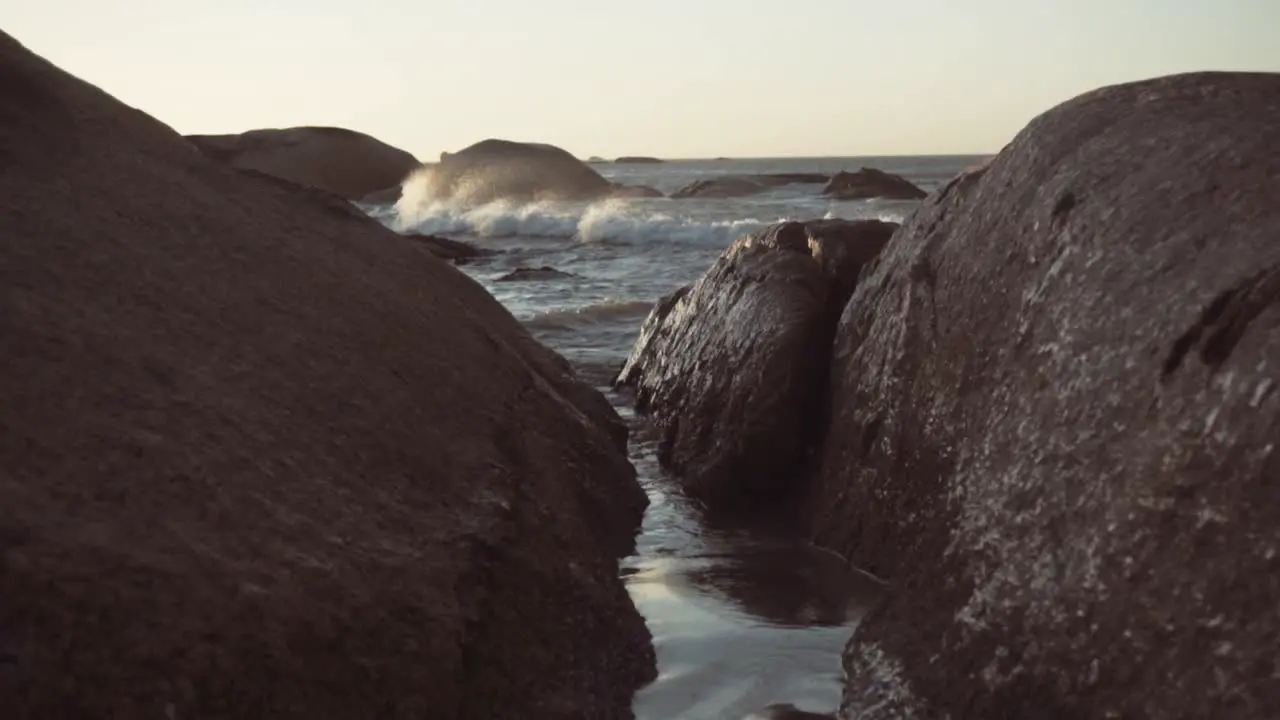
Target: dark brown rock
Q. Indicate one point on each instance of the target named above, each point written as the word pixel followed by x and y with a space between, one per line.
pixel 1056 418
pixel 871 183
pixel 545 272
pixel 261 457
pixel 637 160
pixel 504 170
pixel 720 187
pixel 733 370
pixel 341 161
pixel 455 251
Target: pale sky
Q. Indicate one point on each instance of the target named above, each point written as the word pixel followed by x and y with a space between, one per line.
pixel 672 78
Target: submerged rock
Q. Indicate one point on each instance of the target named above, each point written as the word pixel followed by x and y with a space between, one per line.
pixel 729 186
pixel 539 273
pixel 871 183
pixel 733 370
pixel 721 187
pixel 1056 413
pixel 636 191
pixel 505 170
pixel 341 161
pixel 455 251
pixel 777 179
pixel 262 456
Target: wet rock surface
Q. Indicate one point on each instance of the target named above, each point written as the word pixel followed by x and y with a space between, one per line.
pixel 338 160
pixel 261 456
pixel 732 370
pixel 870 183
pixel 1055 421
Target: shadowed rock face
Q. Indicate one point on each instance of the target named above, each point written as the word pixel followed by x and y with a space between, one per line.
pixel 344 162
pixel 259 456
pixel 504 170
pixel 733 369
pixel 871 183
pixel 1056 419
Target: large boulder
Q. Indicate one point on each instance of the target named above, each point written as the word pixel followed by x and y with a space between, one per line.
pixel 259 456
pixel 733 371
pixel 505 170
pixel 344 162
pixel 870 183
pixel 1056 420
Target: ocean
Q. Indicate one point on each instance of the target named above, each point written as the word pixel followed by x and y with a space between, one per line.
pixel 741 617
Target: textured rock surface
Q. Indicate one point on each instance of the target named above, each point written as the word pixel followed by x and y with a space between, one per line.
pixel 733 370
pixel 871 183
pixel 501 169
pixel 260 457
pixel 344 162
pixel 1056 417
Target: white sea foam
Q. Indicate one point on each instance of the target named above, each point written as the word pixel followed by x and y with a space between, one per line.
pixel 614 221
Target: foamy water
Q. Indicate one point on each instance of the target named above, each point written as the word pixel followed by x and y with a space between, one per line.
pixel 741 617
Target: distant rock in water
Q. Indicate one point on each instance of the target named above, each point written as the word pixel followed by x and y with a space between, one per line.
pixel 870 183
pixel 720 187
pixel 733 370
pixel 596 159
pixel 539 273
pixel 455 251
pixel 637 160
pixel 635 191
pixel 730 186
pixel 261 456
pixel 1056 421
pixel 343 162
pixel 504 170
pixel 778 179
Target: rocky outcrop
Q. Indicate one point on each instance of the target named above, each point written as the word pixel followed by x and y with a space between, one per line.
pixel 262 457
pixel 635 191
pixel 545 272
pixel 733 370
pixel 637 160
pixel 504 170
pixel 871 183
pixel 341 161
pixel 455 251
pixel 1056 421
